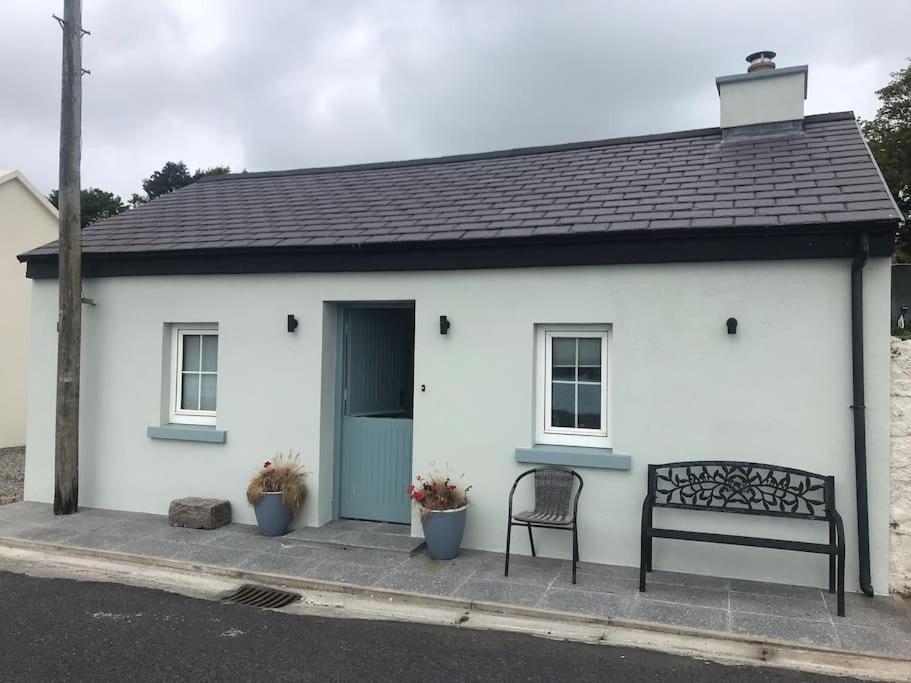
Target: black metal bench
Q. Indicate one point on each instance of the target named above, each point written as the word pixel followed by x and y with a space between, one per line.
pixel 751 489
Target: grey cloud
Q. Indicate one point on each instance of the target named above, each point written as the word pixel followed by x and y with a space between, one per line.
pixel 290 84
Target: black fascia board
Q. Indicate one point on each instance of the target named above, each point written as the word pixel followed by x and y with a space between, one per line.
pixel 685 246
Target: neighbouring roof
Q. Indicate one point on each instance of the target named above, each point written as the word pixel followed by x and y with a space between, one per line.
pixel 677 192
pixel 8 174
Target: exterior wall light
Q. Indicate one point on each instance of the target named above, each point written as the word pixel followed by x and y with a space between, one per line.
pixel 292 323
pixel 732 325
pixel 444 324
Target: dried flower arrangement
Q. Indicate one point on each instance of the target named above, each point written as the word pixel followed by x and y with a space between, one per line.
pixel 437 491
pixel 284 474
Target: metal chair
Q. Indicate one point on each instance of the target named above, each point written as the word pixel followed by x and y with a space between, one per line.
pixel 556 507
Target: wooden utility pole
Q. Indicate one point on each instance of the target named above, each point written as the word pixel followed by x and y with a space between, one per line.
pixel 69 273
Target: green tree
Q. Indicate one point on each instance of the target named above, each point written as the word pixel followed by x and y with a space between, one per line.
pixel 95 204
pixel 889 137
pixel 172 176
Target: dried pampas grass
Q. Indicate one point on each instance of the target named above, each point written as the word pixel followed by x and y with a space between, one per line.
pixel 284 474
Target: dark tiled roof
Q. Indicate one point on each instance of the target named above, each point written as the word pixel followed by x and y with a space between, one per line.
pixel 673 182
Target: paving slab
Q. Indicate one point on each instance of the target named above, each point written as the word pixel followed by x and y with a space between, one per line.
pixel 596 583
pixel 352 573
pixel 535 571
pixel 701 597
pixel 780 589
pixel 358 534
pixel 499 591
pixel 598 604
pixel 678 614
pixel 886 641
pixel 689 580
pixel 813 610
pixel 877 612
pixel 785 628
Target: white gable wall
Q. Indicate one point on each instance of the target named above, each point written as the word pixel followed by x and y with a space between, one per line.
pixel 778 391
pixel 25 223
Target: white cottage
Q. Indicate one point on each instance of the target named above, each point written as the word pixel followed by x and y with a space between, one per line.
pixel 602 305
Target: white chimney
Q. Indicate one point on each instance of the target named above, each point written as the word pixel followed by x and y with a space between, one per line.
pixel 763 94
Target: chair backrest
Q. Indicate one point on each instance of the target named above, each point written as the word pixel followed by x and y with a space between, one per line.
pixel 743 487
pixel 554 490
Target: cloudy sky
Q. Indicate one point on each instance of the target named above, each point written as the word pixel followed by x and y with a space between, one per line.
pixel 295 83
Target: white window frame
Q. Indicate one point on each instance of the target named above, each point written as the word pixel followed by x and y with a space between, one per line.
pixel 178 415
pixel 545 433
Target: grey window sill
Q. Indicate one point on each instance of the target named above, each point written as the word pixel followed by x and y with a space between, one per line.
pixel 178 432
pixel 573 456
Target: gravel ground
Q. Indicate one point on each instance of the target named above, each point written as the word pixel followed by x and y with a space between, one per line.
pixel 12 471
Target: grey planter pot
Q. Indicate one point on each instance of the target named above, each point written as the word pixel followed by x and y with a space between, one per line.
pixel 272 515
pixel 443 531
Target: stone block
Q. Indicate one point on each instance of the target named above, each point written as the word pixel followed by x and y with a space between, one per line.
pixel 199 513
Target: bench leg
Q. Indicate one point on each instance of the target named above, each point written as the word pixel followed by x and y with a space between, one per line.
pixel 648 544
pixel 841 579
pixel 575 551
pixel 531 542
pixel 645 543
pixel 508 538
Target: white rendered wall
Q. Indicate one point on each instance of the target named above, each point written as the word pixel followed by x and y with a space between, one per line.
pixel 24 224
pixel 779 391
pixel 763 98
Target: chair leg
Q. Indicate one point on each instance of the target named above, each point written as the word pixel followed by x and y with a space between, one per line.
pixel 531 542
pixel 508 538
pixel 832 562
pixel 575 551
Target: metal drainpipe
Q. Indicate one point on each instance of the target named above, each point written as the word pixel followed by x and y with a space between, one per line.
pixel 860 430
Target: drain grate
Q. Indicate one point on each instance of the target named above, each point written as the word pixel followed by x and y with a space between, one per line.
pixel 258 596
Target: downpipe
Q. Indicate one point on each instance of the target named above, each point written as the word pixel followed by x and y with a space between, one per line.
pixel 858 408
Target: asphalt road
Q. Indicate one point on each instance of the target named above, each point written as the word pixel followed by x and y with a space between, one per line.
pixel 53 629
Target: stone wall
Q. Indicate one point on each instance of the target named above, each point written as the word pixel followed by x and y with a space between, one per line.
pixel 900 542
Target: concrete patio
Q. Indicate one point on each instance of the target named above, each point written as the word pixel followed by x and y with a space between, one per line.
pixel 342 552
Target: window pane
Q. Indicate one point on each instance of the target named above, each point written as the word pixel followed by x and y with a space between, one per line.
pixel 590 406
pixel 210 352
pixel 589 351
pixel 563 405
pixel 191 352
pixel 207 401
pixel 189 395
pixel 564 351
pixel 589 373
pixel 564 373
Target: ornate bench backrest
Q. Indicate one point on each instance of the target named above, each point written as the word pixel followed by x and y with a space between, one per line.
pixel 745 487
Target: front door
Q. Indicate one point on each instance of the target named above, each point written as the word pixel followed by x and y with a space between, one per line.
pixel 376 424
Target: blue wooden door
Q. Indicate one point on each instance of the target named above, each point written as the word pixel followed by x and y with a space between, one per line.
pixel 376 423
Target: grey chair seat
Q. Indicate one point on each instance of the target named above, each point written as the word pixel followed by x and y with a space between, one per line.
pixel 542 517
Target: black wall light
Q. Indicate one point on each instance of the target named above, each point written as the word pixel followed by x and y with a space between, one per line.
pixel 444 324
pixel 732 325
pixel 292 323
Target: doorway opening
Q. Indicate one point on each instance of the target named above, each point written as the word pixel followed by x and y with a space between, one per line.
pixel 377 407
